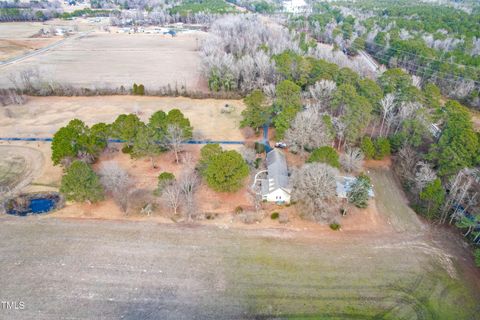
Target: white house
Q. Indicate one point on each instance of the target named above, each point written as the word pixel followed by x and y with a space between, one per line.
pixel 276 188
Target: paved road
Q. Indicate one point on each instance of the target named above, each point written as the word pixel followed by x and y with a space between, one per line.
pixel 42 50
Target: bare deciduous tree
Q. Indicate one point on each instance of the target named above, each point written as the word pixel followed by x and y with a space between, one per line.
pixel 314 187
pixel 424 175
pixel 460 194
pixel 322 91
pixel 307 130
pixel 406 161
pixel 188 184
pixel 116 182
pixel 388 106
pixel 171 194
pixel 352 159
pixel 188 160
pixel 248 154
pixel 174 139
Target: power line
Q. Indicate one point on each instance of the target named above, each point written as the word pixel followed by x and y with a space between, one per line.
pixel 417 55
pixel 423 67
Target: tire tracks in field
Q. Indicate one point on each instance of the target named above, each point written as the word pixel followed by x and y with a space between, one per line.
pixel 34 163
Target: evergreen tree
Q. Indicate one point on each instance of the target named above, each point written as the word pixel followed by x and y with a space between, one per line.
pixel 141 90
pixel 368 148
pixel 382 148
pixel 80 183
pixel 176 117
pixel 358 192
pixel 158 123
pixel 287 104
pixel 226 171
pixel 434 196
pixel 326 155
pixel 458 146
pixel 145 144
pixel 125 127
pixel 257 113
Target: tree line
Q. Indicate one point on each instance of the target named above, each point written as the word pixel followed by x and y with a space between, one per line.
pixel 438 43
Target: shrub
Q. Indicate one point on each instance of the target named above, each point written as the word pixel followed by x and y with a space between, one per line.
pixel 127 149
pixel 397 141
pixel 210 215
pixel 368 148
pixel 257 163
pixel 238 210
pixel 476 254
pixel 164 179
pixel 335 226
pixel 326 155
pixel 274 215
pixel 259 147
pixel 382 148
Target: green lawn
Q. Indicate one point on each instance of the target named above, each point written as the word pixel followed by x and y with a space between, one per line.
pixel 347 280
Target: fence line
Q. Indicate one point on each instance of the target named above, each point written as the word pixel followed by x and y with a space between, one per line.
pixel 120 140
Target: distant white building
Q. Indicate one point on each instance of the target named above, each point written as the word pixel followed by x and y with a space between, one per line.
pixel 276 188
pixel 295 6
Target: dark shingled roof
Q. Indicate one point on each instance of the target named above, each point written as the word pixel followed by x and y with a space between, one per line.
pixel 277 171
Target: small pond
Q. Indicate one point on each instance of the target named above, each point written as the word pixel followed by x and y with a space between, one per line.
pixel 35 203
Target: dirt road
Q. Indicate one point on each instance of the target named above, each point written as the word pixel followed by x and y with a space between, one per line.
pixel 41 50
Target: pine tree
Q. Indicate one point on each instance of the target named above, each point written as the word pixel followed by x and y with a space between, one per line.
pixel 80 183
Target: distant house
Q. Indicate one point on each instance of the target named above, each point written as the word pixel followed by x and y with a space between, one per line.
pixel 276 188
pixel 344 184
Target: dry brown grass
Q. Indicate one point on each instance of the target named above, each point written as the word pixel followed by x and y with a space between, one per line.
pixel 43 116
pixel 102 60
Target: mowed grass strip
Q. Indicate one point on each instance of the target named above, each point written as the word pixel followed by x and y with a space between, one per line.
pixel 354 281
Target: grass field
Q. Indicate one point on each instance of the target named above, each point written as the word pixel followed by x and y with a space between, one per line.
pixel 43 116
pixel 346 279
pixel 17 38
pixel 392 202
pixel 178 272
pixel 19 166
pixel 11 167
pixel 111 60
